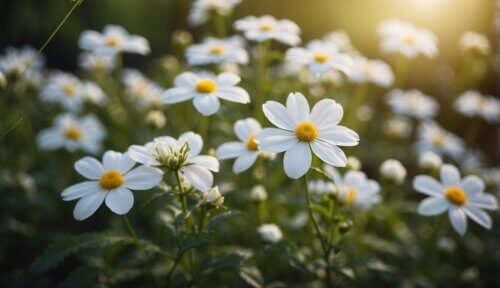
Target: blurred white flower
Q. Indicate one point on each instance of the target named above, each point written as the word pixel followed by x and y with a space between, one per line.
pixel 3 81
pixel 258 193
pixel 16 61
pixel 353 163
pixel 462 198
pixel 205 90
pixel 472 103
pixel 109 182
pixel 475 42
pixel 65 89
pixel 300 130
pixel 265 28
pixel 321 187
pixel 429 161
pixel 270 233
pixel 218 51
pixel 93 94
pixel 341 39
pixel 213 197
pixel 412 103
pixel 371 71
pixel 179 154
pixel 320 57
pixel 140 90
pixel 432 137
pixel 246 150
pixel 156 119
pixel 113 40
pixel 399 127
pixel 393 171
pixel 201 9
pixel 72 134
pixel 354 188
pixel 407 39
pixel 92 62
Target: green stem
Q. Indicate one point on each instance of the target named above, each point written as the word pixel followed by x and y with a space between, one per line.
pixel 203 126
pixel 171 271
pixel 402 69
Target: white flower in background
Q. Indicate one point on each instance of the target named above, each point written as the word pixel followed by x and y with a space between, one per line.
pixel 140 90
pixel 218 51
pixel 341 39
pixel 393 171
pixel 65 89
pixel 201 10
pixel 205 90
pixel 321 187
pixel 429 161
pixel 475 42
pixel 320 57
pixel 300 130
pixel 354 188
pixel 73 134
pixel 109 182
pixel 246 150
pixel 491 176
pixel 114 39
pixel 472 103
pixel 399 127
pixel 14 62
pixel 179 154
pixel 412 103
pixel 3 81
pixel 371 71
pixel 93 62
pixel 270 233
pixel 353 163
pixel 432 137
pixel 258 193
pixel 265 28
pixel 156 119
pixel 407 39
pixel 213 197
pixel 93 94
pixel 462 198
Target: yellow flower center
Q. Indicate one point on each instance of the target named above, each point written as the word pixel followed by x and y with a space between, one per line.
pixel 113 42
pixel 455 195
pixel 438 139
pixel 251 144
pixel 206 86
pixel 320 57
pixel 351 196
pixel 111 180
pixel 306 131
pixel 266 27
pixel 69 90
pixel 410 40
pixel 73 133
pixel 217 50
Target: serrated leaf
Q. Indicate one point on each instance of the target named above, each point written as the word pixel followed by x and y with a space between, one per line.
pixel 83 277
pixel 217 220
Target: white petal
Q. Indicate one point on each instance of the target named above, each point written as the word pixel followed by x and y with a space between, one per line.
pixel 458 220
pixel 50 139
pixel 80 190
pixel 186 79
pixel 195 143
pixel 227 79
pixel 339 135
pixel 142 155
pixel 326 112
pixel 297 107
pixel 142 178
pixel 329 153
pixel 245 128
pixel 479 216
pixel 89 168
pixel 209 162
pixel 472 185
pixel 276 140
pixel 276 113
pixel 297 160
pixel 433 206
pixel 230 150
pixel 120 200
pixel 450 175
pixel 428 185
pixel 244 162
pixel 207 104
pixel 233 94
pixel 177 94
pixel 87 205
pixel 484 201
pixel 201 178
pixel 117 161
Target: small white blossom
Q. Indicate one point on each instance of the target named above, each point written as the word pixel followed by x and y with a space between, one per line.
pixel 200 12
pixel 113 40
pixel 393 171
pixel 472 103
pixel 270 233
pixel 371 71
pixel 258 193
pixel 429 161
pixel 265 28
pixel 218 51
pixel 213 197
pixel 432 137
pixel 412 103
pixel 475 42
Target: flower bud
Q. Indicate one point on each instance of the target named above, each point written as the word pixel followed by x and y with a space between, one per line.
pixel 258 194
pixel 345 226
pixel 213 198
pixel 393 171
pixel 429 161
pixel 353 163
pixel 182 38
pixel 156 119
pixel 270 233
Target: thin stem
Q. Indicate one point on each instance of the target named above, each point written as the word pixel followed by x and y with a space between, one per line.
pixel 131 230
pixel 203 125
pixel 171 271
pixel 402 71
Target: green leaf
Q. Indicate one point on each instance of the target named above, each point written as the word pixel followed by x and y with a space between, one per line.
pixel 227 261
pixel 83 277
pixel 217 220
pixel 193 240
pixel 252 276
pixel 321 210
pixel 67 245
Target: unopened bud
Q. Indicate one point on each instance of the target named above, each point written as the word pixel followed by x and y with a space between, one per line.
pixel 156 119
pixel 213 198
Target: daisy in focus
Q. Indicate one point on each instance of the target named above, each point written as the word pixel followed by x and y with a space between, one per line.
pixel 371 71
pixel 14 62
pixel 180 155
pixel 217 51
pixel 73 134
pixel 432 137
pixel 202 9
pixel 265 28
pixel 300 130
pixel 65 89
pixel 405 38
pixel 113 40
pixel 319 57
pixel 109 182
pixel 462 198
pixel 412 103
pixel 246 150
pixel 206 90
pixel 472 103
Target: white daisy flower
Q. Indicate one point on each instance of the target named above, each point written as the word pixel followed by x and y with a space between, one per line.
pixel 205 90
pixel 393 171
pixel 412 103
pixel 462 198
pixel 218 51
pixel 93 94
pixel 140 90
pixel 475 42
pixel 355 188
pixel 371 71
pixel 110 182
pixel 270 233
pixel 246 150
pixel 399 127
pixel 16 61
pixel 432 137
pixel 73 134
pixel 300 130
pixel 407 39
pixel 94 62
pixel 201 10
pixel 321 187
pixel 429 161
pixel 258 193
pixel 114 39
pixel 168 152
pixel 65 89
pixel 320 57
pixel 341 39
pixel 472 103
pixel 265 28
